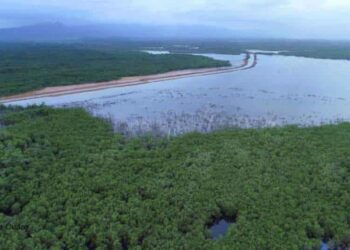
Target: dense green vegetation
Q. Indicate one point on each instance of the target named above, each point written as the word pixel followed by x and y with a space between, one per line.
pixel 25 67
pixel 68 182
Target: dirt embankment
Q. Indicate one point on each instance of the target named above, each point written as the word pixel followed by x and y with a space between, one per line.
pixel 128 81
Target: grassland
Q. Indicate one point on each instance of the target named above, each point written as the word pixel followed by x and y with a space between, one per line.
pixel 68 182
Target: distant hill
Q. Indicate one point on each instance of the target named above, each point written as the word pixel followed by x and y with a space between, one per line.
pixel 59 31
pixel 42 31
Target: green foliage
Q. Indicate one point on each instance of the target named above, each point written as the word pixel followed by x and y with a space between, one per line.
pixel 77 185
pixel 29 67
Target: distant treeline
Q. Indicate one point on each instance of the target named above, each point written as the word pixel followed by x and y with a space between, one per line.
pixel 26 67
pixel 305 48
pixel 68 182
pixel 321 49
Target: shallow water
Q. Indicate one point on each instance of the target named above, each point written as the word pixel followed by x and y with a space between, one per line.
pixel 265 51
pixel 324 246
pixel 157 52
pixel 220 228
pixel 279 90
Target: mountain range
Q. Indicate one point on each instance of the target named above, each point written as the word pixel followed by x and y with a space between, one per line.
pixel 60 32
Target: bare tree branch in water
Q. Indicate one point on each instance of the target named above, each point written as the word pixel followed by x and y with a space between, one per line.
pixel 203 120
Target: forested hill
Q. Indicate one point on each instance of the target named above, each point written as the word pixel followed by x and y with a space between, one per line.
pixel 68 182
pixel 26 67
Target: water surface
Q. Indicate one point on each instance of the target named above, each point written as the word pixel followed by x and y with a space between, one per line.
pixel 279 90
pixel 324 246
pixel 156 52
pixel 220 228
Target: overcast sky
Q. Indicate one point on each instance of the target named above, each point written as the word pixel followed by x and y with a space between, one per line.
pixel 281 18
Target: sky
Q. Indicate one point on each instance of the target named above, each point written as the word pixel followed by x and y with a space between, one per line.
pixel 276 18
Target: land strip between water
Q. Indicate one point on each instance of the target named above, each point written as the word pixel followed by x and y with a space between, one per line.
pixel 130 81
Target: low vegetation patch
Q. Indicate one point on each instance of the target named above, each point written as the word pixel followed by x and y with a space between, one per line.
pixel 68 182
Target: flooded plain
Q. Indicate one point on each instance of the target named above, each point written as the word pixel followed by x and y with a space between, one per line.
pixel 279 90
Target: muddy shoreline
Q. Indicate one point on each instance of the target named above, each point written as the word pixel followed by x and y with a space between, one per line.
pixel 128 81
